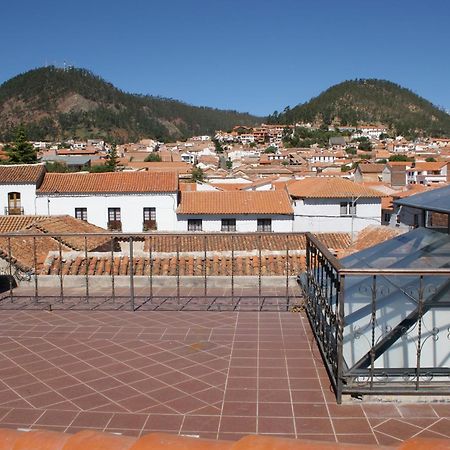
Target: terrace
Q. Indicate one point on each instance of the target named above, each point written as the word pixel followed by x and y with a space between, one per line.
pixel 201 335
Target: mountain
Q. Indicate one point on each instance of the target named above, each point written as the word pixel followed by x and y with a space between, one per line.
pixel 58 104
pixel 371 101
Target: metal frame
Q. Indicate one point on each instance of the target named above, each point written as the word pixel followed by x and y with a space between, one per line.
pixel 324 290
pixel 206 297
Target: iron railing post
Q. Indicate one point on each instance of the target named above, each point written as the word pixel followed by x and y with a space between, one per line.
pixel 36 292
pixel 340 339
pixel 131 265
pixel 10 271
pixel 60 271
pixel 113 287
pixel 87 269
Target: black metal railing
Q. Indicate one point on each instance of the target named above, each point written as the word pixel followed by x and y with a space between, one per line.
pixel 151 271
pixel 380 331
pixel 14 211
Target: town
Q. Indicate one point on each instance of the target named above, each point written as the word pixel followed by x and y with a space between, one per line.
pixel 246 180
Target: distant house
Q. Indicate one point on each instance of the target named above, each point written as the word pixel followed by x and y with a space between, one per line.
pixel 394 174
pixel 240 211
pixel 428 173
pixel 334 205
pixel 368 172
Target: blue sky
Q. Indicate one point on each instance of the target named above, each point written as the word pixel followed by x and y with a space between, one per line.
pixel 249 55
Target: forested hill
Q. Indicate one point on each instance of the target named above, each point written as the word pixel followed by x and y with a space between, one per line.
pixel 56 103
pixel 371 101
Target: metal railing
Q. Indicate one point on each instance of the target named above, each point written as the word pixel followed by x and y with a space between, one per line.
pixel 151 271
pixel 380 331
pixel 11 211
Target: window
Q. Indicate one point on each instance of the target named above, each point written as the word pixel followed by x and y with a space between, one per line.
pixel 149 219
pixel 149 214
pixel 264 225
pixel 14 205
pixel 113 214
pixel 348 209
pixel 194 224
pixel 114 222
pixel 81 213
pixel 228 225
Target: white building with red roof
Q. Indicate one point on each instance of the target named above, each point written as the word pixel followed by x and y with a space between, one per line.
pixel 334 205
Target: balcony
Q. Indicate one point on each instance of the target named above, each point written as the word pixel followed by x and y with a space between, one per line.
pixel 18 211
pixel 189 334
pixel 149 225
pixel 381 316
pixel 115 225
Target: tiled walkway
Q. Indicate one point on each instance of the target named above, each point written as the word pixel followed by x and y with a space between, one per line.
pixel 209 374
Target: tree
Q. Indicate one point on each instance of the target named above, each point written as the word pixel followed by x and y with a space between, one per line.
pixel 153 157
pixel 229 164
pixel 218 146
pixel 399 158
pixel 365 145
pixel 351 150
pixel 197 174
pixel 270 149
pixel 112 160
pixel 21 152
pixel 430 159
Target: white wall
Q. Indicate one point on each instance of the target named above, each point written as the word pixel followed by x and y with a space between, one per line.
pixel 27 197
pixel 97 208
pixel 244 223
pixel 324 215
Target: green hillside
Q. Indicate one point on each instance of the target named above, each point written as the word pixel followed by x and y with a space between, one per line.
pixel 371 101
pixel 56 103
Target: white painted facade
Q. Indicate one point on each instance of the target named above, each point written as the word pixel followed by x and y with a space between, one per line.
pixel 323 215
pixel 131 208
pixel 245 223
pixel 27 197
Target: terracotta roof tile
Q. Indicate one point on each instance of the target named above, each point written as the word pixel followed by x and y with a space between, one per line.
pixel 330 188
pixel 21 173
pixel 109 182
pixel 371 168
pixel 235 202
pixel 9 224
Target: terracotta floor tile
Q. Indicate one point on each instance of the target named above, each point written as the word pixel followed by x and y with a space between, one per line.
pixel 193 423
pixel 128 421
pixel 417 410
pixel 163 422
pixel 275 425
pixel 229 424
pixel 397 429
pixel 56 418
pixel 361 439
pixel 20 416
pixel 351 425
pixel 313 426
pixel 275 410
pixel 239 409
pixel 380 410
pixel 310 410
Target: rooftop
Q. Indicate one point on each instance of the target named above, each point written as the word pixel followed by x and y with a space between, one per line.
pixel 330 188
pixel 209 374
pixel 21 173
pixel 130 182
pixel 235 202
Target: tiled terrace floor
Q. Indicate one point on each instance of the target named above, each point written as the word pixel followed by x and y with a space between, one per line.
pixel 210 374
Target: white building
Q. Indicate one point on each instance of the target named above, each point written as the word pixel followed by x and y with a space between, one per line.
pixel 18 188
pixel 127 201
pixel 428 173
pixel 238 211
pixel 330 205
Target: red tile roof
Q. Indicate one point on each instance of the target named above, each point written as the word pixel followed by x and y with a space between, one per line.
pixel 330 188
pixel 235 202
pixel 21 173
pixel 111 182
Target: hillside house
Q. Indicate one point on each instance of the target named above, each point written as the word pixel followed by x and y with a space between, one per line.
pixel 428 173
pixel 368 172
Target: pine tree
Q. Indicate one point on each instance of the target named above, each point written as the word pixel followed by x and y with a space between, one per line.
pixel 21 152
pixel 112 158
